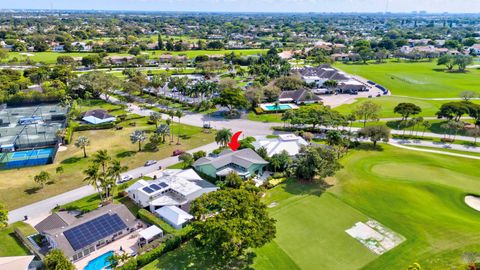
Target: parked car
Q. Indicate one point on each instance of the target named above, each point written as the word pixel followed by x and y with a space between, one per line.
pixel 178 152
pixel 125 178
pixel 150 162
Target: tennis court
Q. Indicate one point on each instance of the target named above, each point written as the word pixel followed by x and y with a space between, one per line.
pixel 26 158
pixel 28 135
pixel 40 153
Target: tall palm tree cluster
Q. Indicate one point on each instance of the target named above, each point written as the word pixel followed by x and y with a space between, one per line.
pixel 103 173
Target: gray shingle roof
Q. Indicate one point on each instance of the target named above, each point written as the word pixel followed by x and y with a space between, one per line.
pixel 62 243
pixel 54 221
pixel 299 95
pixel 100 114
pixel 244 157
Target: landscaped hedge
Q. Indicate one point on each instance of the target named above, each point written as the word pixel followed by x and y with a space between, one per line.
pixel 172 242
pixel 68 134
pixel 150 218
pixel 94 127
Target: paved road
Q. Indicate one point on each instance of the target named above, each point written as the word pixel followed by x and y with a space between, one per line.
pixel 440 145
pixel 36 212
pixel 41 209
pixel 434 151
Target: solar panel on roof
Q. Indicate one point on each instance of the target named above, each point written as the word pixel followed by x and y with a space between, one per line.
pixel 155 187
pixel 94 230
pixel 163 184
pixel 148 190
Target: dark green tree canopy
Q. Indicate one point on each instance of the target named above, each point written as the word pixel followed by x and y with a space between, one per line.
pixel 230 221
pixel 407 109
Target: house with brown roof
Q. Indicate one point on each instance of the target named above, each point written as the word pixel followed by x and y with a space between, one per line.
pixel 98 116
pixel 301 96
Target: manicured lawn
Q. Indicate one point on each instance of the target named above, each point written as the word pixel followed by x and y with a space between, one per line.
pixel 186 257
pixel 311 231
pixel 388 103
pixel 424 79
pixel 418 195
pixel 195 53
pixel 9 243
pixel 51 57
pixel 17 187
pixel 267 117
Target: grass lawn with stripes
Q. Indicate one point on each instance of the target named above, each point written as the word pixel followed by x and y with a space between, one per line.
pixel 418 195
pixel 422 79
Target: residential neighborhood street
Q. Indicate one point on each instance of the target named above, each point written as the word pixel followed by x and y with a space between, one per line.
pixel 39 210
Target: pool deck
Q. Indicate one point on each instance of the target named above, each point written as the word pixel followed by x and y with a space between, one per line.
pixel 264 106
pixel 128 244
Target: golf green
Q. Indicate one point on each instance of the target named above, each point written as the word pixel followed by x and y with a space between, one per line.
pixel 418 195
pixel 422 79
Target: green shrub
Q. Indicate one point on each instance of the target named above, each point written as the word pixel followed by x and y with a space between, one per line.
pixel 94 127
pixel 152 219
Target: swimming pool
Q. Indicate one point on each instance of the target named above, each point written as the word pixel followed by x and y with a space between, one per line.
pixel 99 263
pixel 279 107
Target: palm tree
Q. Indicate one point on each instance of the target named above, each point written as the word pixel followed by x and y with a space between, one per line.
pixel 169 122
pixel 92 177
pixel 82 142
pixel 102 158
pixel 172 115
pixel 287 116
pixel 277 106
pixel 223 137
pixel 164 130
pixel 179 114
pixel 426 125
pixel 155 117
pixel 114 171
pixel 138 136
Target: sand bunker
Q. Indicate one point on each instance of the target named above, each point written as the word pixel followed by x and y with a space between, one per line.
pixel 473 202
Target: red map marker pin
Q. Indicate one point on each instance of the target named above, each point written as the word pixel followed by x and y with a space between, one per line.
pixel 234 144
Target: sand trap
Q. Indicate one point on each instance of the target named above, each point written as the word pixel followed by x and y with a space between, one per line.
pixel 473 202
pixel 62 148
pixel 27 54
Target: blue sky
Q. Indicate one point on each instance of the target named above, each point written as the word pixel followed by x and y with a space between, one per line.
pixel 253 5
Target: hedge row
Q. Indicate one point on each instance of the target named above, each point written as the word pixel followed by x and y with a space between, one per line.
pixel 172 242
pixel 150 218
pixel 94 127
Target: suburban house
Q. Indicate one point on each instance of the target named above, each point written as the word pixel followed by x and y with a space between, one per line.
pixel 98 116
pixel 475 49
pixel 174 216
pixel 244 162
pixel 168 58
pixel 320 74
pixel 118 60
pixel 81 46
pixel 351 86
pixel 17 262
pixel 78 236
pixel 174 189
pixel 301 96
pixel 285 142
